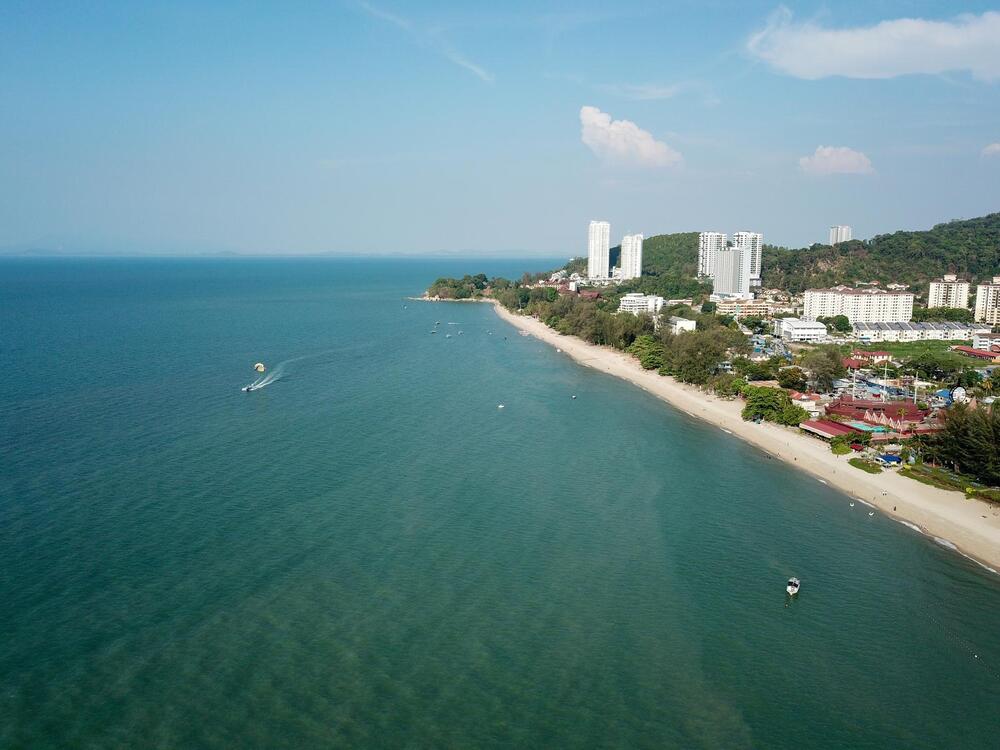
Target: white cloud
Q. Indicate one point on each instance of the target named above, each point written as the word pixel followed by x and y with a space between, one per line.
pixel 623 142
pixel 836 160
pixel 992 149
pixel 427 40
pixel 886 50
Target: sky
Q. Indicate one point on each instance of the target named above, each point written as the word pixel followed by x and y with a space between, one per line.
pixel 494 128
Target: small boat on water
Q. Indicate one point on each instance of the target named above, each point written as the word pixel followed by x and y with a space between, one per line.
pixel 793 586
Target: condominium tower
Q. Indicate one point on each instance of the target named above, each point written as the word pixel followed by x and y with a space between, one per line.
pixel 732 272
pixel 631 260
pixel 839 233
pixel 751 243
pixel 859 305
pixel 988 302
pixel 598 249
pixel 949 291
pixel 709 244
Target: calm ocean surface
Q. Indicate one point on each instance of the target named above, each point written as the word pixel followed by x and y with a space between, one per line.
pixel 368 553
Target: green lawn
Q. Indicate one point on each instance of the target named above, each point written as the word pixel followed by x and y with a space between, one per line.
pixel 946 480
pixel 870 466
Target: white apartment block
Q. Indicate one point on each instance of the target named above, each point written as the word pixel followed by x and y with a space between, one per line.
pixel 709 245
pixel 732 273
pixel 795 329
pixel 949 291
pixel 873 333
pixel 988 302
pixel 987 342
pixel 752 243
pixel 680 325
pixel 598 250
pixel 631 260
pixel 637 303
pixel 859 305
pixel 839 233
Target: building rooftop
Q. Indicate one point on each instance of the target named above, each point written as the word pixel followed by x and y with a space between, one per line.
pixel 852 290
pixel 949 326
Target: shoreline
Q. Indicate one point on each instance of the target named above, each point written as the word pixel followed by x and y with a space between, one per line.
pixel 969 527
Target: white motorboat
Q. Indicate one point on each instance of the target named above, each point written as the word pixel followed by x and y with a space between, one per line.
pixel 793 586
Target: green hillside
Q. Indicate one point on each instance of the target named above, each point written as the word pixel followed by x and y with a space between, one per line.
pixel 970 247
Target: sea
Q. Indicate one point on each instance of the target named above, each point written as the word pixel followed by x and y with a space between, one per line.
pixel 367 552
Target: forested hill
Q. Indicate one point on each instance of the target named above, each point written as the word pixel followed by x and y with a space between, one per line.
pixel 970 247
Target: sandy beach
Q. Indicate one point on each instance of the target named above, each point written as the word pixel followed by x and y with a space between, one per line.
pixel 971 526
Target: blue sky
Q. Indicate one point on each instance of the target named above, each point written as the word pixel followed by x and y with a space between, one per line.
pixel 494 128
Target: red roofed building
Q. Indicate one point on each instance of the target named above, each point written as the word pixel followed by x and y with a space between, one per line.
pixel 901 416
pixel 827 429
pixel 591 294
pixel 968 351
pixel 852 363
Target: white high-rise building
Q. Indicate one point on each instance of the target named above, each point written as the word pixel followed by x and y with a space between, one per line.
pixel 631 259
pixel 752 243
pixel 859 305
pixel 732 272
pixel 988 302
pixel 598 249
pixel 839 233
pixel 949 291
pixel 709 244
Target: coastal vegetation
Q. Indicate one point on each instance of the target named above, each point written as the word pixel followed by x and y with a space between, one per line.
pixel 865 465
pixel 771 405
pixel 969 442
pixel 969 247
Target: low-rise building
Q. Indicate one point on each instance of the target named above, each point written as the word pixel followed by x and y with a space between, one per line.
pixel 879 332
pixel 987 342
pixel 637 303
pixel 743 308
pixel 679 325
pixel 796 329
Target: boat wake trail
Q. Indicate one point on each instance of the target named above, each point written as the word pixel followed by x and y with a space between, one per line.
pixel 277 372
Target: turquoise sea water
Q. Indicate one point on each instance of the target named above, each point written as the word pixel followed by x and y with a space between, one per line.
pixel 368 553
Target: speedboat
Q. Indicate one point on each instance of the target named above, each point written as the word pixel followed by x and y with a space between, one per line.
pixel 793 586
pixel 247 388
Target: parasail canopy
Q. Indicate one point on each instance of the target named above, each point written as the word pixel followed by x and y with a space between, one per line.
pixel 259 367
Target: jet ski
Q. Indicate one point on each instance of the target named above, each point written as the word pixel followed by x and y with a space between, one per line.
pixel 247 388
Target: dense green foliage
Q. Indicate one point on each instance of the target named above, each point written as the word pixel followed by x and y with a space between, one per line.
pixel 467 287
pixel 970 247
pixel 771 405
pixel 942 314
pixel 793 378
pixel 837 324
pixel 825 364
pixel 970 442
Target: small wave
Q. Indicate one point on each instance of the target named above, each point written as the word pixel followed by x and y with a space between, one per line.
pixel 913 526
pixel 864 502
pixel 946 544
